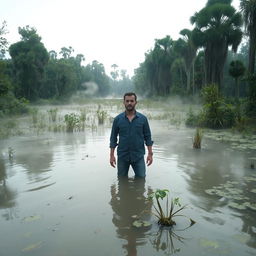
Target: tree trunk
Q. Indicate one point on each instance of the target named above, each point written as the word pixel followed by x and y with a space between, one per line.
pixel 252 52
pixel 188 79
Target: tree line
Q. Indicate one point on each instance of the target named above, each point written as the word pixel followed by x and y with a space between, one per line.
pixel 33 73
pixel 205 55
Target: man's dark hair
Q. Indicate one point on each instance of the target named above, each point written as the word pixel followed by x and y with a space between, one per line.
pixel 130 94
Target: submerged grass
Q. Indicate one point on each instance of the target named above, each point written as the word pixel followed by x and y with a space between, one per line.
pixel 52 114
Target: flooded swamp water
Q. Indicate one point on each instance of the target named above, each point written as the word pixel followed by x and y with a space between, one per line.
pixel 59 196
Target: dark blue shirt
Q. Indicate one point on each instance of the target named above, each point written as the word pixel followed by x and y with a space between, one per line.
pixel 132 136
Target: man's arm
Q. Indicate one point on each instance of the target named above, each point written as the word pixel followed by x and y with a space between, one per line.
pixel 112 157
pixel 113 143
pixel 149 142
pixel 150 156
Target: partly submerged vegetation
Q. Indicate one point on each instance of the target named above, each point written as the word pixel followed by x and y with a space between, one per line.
pixel 197 138
pixel 166 215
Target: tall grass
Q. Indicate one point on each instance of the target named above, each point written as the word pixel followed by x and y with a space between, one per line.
pixel 52 114
pixel 198 138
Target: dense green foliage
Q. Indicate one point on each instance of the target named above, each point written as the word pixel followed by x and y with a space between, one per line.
pixel 29 57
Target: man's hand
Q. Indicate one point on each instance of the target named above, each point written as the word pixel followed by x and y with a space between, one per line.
pixel 113 161
pixel 149 159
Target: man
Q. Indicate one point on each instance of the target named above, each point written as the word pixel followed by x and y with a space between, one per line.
pixel 132 130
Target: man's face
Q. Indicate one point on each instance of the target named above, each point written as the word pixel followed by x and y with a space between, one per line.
pixel 130 103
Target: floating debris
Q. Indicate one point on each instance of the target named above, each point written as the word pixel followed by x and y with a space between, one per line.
pixel 237 206
pixel 141 223
pixel 242 238
pixel 32 247
pixel 32 218
pixel 209 244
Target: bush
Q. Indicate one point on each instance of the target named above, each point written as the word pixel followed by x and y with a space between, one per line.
pixel 72 122
pixel 192 119
pixel 216 113
pixel 9 105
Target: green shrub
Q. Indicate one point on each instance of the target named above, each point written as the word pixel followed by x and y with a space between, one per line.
pixel 9 105
pixel 72 122
pixel 192 119
pixel 216 113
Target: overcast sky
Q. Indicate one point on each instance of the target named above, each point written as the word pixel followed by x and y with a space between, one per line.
pixel 110 31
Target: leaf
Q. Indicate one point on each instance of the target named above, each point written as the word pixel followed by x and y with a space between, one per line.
pixel 209 244
pixel 32 247
pixel 32 218
pixel 141 223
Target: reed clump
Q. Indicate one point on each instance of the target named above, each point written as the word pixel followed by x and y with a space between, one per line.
pixel 197 140
pixel 52 114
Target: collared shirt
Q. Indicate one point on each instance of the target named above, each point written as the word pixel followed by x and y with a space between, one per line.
pixel 132 136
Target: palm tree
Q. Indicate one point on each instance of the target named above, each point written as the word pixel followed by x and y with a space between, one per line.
pixel 187 50
pixel 248 9
pixel 217 26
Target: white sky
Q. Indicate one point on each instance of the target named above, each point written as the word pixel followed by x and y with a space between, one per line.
pixel 110 31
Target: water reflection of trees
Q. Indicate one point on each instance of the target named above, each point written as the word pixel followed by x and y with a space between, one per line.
pixel 7 195
pixel 128 199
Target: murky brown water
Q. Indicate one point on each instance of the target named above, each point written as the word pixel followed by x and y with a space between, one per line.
pixel 59 196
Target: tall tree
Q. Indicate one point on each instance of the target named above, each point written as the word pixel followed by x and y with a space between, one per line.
pixel 29 58
pixel 99 76
pixel 115 72
pixel 217 26
pixel 187 50
pixel 248 9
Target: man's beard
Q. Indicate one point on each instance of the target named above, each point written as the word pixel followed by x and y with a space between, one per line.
pixel 129 108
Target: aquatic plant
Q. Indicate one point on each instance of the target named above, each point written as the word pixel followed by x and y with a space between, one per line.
pixel 165 218
pixel 53 114
pixel 10 153
pixel 83 114
pixel 197 138
pixel 34 114
pixel 101 114
pixel 72 122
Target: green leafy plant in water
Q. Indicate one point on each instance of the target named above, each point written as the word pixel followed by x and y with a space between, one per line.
pixel 165 218
pixel 83 114
pixel 53 114
pixel 34 114
pixel 198 138
pixel 101 114
pixel 72 122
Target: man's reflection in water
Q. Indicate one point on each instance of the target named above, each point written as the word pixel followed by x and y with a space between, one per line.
pixel 129 199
